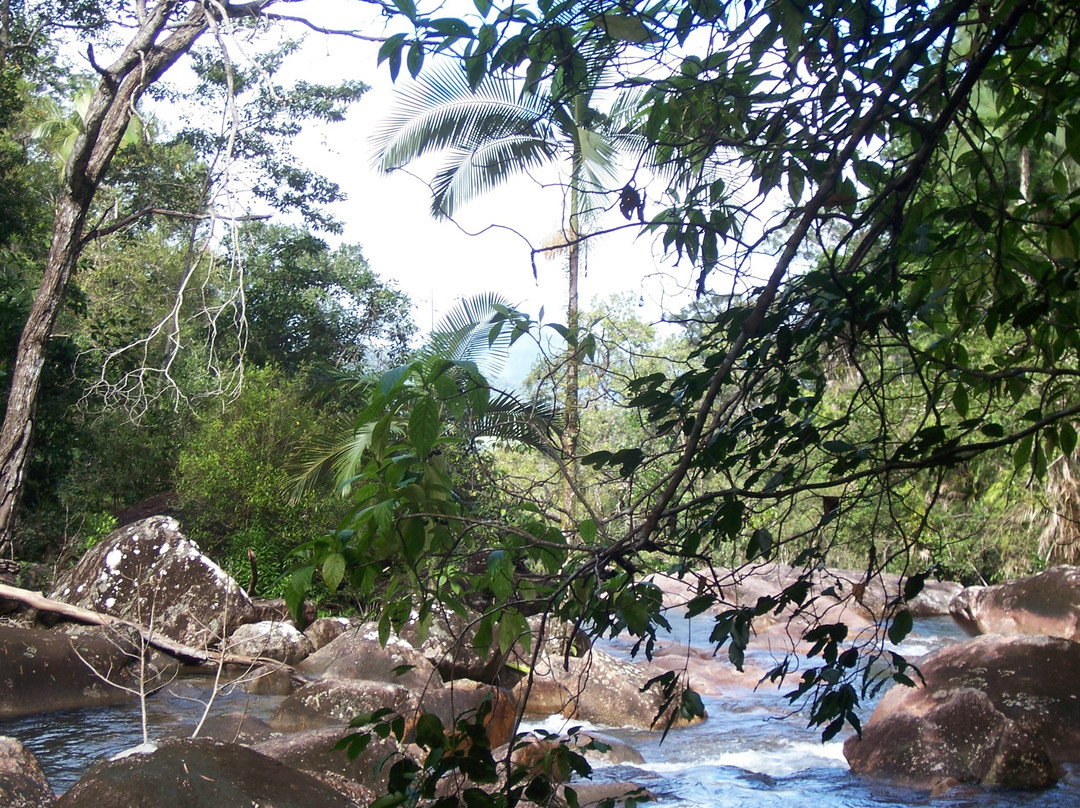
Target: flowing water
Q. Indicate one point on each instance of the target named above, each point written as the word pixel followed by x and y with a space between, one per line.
pixel 751 752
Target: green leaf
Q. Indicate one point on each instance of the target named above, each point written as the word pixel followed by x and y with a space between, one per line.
pixel 627 29
pixel 1067 439
pixel 588 531
pixel 407 8
pixel 512 628
pixel 415 59
pixel 333 570
pixel 900 627
pixel 425 425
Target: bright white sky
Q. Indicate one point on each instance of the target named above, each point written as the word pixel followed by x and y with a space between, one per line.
pixel 437 262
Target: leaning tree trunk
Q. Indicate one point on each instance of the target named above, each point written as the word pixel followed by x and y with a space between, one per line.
pixel 143 62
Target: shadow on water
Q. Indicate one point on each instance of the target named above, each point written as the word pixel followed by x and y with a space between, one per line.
pixel 66 743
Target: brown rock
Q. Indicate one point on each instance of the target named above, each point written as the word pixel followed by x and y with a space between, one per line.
pixel 314 751
pixel 42 671
pixel 1047 603
pixel 357 654
pixel 995 710
pixel 324 630
pixel 597 688
pixel 22 783
pixel 197 774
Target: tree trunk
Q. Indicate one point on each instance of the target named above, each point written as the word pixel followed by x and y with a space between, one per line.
pixel 572 402
pixel 143 62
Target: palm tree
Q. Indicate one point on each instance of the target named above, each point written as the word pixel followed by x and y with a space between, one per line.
pixel 492 133
pixel 469 346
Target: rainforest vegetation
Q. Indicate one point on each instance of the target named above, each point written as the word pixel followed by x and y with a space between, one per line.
pixel 879 204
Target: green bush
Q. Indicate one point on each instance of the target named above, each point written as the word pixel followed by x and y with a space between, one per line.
pixel 234 475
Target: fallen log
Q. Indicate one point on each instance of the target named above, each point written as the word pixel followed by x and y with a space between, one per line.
pixel 185 653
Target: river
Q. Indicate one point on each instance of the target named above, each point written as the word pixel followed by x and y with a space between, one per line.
pixel 751 752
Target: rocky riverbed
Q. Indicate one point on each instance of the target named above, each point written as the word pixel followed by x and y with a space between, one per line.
pixel 280 715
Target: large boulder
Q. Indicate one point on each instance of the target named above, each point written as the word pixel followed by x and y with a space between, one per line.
pixel 152 574
pixel 596 687
pixel 357 654
pixel 1047 603
pixel 22 782
pixel 448 645
pixel 271 639
pixel 197 774
pixel 314 751
pixel 42 671
pixel 335 702
pixel 994 710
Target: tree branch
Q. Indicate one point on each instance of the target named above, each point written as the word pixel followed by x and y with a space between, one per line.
pixel 36 600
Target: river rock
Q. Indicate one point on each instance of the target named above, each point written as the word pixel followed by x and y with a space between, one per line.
pixel 1047 603
pixel 449 647
pixel 994 710
pixel 22 782
pixel 323 631
pixel 314 751
pixel 197 774
pixel 150 573
pixel 357 654
pixel 271 639
pixel 595 687
pixel 234 727
pixel 335 702
pixel 268 680
pixel 706 673
pixel 42 671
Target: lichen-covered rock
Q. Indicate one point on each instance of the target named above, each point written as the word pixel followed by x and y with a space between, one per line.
pixel 325 630
pixel 964 739
pixel 336 702
pixel 596 687
pixel 150 573
pixel 197 774
pixel 994 710
pixel 357 654
pixel 1047 603
pixel 42 671
pixel 22 782
pixel 271 639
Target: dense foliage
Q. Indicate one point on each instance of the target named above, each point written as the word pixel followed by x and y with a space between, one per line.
pixel 878 203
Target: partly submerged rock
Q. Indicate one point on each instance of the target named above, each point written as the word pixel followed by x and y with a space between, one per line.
pixel 198 774
pixel 994 710
pixel 42 671
pixel 1047 603
pixel 152 574
pixel 22 782
pixel 599 688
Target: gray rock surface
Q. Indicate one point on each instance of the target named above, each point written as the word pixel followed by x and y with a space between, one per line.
pixel 152 574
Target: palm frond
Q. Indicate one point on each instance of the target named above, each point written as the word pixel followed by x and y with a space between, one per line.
pixel 468 174
pixel 468 333
pixel 439 110
pixel 534 423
